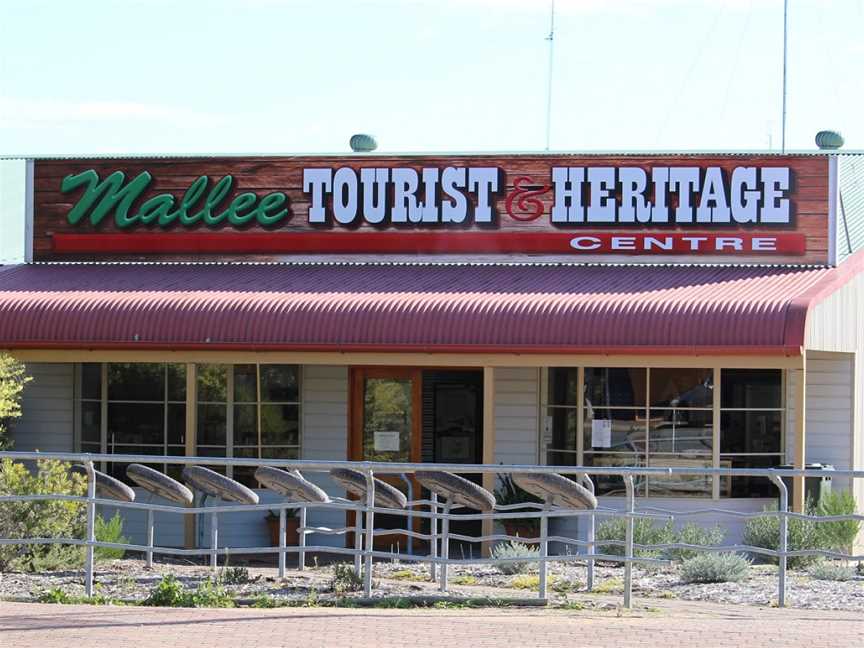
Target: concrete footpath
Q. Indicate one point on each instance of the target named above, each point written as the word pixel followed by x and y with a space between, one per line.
pixel 670 625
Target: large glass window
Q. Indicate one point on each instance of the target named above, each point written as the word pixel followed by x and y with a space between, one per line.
pixel 615 422
pixel 242 411
pixel 249 411
pixel 751 427
pixel 145 410
pixel 665 417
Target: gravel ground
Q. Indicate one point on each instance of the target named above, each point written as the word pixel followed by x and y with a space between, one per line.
pixel 130 580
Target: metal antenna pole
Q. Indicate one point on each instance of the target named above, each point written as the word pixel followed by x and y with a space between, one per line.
pixel 785 40
pixel 551 39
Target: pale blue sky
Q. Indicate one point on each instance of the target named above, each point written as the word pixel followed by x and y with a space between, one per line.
pixel 172 76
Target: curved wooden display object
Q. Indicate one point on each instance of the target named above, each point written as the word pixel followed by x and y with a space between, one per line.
pixel 213 484
pixel 456 489
pixel 354 482
pixel 557 490
pixel 159 484
pixel 290 484
pixel 107 487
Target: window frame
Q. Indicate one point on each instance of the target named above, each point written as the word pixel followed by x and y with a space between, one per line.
pixel 714 457
pixel 190 437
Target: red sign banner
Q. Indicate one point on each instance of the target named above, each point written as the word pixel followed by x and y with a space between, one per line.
pixel 583 243
pixel 683 208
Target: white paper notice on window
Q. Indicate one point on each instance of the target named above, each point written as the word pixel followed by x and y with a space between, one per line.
pixel 601 433
pixel 386 441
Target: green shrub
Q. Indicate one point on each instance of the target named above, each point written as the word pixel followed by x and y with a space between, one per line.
pixel 41 519
pixel 235 576
pixel 714 568
pixel 645 532
pixel 694 534
pixel 13 378
pixel 345 579
pixel 209 594
pixel 54 595
pixel 765 532
pixel 837 536
pixel 169 592
pixel 832 571
pixel 109 531
pixel 512 549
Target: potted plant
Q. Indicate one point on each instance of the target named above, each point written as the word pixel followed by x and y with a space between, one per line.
pixel 292 523
pixel 509 493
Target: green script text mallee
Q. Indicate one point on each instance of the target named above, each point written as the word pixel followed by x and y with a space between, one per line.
pixel 199 204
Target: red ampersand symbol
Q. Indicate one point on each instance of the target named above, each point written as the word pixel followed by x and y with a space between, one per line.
pixel 528 206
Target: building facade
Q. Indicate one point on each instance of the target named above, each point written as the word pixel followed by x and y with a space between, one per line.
pixel 630 310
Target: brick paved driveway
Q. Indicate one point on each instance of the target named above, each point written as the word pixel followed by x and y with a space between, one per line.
pixel 24 625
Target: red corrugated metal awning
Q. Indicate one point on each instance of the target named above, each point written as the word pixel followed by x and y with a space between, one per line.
pixel 435 308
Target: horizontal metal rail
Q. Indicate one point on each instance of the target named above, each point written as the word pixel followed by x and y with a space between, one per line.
pixel 439 514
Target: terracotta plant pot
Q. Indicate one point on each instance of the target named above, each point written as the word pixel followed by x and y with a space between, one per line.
pixel 292 537
pixel 522 528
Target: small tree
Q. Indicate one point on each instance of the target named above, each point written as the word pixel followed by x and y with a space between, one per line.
pixel 13 377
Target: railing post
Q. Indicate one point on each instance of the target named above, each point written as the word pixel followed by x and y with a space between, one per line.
pixel 544 548
pixel 628 541
pixel 410 517
pixel 283 524
pixel 445 546
pixel 151 533
pixel 589 581
pixel 301 553
pixel 358 540
pixel 91 527
pixel 214 540
pixel 784 540
pixel 370 534
pixel 433 536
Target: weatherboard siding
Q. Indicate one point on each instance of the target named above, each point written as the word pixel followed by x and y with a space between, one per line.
pixel 48 406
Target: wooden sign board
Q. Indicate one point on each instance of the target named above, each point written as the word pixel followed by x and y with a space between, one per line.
pixel 684 208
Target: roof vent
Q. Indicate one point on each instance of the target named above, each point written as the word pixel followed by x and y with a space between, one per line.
pixel 362 143
pixel 829 140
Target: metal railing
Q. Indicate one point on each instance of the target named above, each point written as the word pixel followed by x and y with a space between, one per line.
pixel 438 513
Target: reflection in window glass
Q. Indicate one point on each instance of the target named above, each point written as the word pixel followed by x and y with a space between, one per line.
pixel 280 425
pixel 564 430
pixel 136 382
pixel 91 381
pixel 615 387
pixel 145 405
pixel 676 430
pixel 279 384
pixel 245 425
pixel 751 427
pixel 563 386
pixel 136 423
pixel 212 383
pixel 212 425
pixel 387 419
pixel 751 388
pixel 233 422
pixel 91 423
pixel 682 387
pixel 177 382
pixel 681 431
pixel 750 432
pixel 245 384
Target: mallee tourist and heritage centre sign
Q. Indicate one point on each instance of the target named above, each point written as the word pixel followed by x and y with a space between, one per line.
pixel 559 207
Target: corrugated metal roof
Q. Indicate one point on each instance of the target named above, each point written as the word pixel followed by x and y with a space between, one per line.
pixel 850 229
pixel 434 154
pixel 430 308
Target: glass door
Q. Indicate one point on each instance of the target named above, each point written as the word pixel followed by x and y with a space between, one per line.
pixel 386 427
